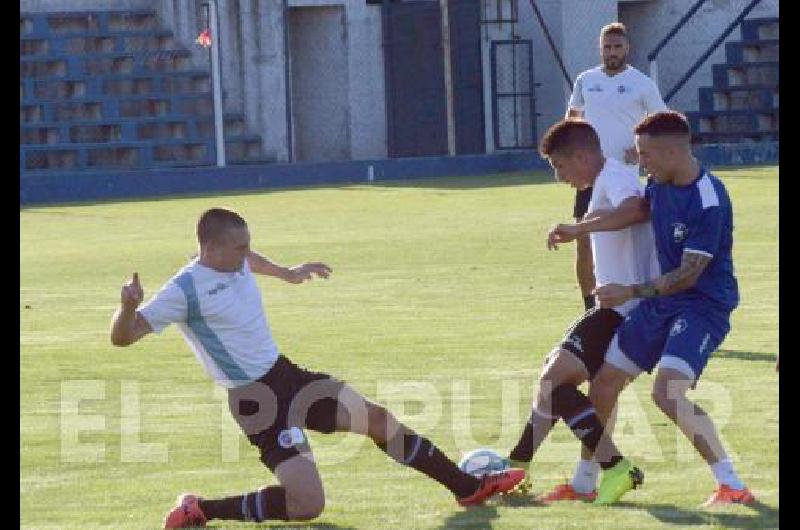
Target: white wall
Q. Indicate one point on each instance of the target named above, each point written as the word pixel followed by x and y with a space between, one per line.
pixel 320 100
pixel 366 81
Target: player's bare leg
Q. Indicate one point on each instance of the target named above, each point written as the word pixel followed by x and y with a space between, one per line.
pixel 669 394
pixel 359 415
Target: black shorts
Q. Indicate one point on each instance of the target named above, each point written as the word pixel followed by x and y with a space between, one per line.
pixel 589 336
pixel 273 410
pixel 582 198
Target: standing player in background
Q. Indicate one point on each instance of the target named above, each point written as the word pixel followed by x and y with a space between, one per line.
pixel 613 97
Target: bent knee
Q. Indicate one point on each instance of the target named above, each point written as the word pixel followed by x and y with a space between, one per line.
pixel 306 505
pixel 663 399
pixel 603 392
pixel 562 367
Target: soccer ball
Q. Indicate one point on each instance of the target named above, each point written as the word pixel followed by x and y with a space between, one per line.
pixel 481 461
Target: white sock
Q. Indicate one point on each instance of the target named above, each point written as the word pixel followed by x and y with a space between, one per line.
pixel 585 478
pixel 725 475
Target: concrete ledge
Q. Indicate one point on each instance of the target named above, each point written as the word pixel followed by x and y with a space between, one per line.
pixel 739 154
pixel 58 187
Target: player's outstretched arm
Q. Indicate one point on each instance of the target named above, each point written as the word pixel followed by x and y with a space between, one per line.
pixel 684 277
pixel 297 274
pixel 631 211
pixel 127 325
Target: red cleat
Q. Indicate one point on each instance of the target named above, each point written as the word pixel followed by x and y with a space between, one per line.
pixel 727 495
pixel 186 513
pixel 492 483
pixel 565 492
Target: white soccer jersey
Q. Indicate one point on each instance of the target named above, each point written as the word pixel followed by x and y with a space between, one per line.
pixel 626 256
pixel 613 105
pixel 221 317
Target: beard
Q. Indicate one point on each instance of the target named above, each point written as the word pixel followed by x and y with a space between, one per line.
pixel 614 63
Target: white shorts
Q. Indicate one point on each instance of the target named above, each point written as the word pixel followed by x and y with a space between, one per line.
pixel 616 358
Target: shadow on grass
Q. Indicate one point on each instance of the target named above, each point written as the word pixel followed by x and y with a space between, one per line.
pixel 764 517
pixel 480 517
pixel 746 355
pixel 293 526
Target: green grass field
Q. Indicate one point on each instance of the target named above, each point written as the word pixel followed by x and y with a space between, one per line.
pixel 443 303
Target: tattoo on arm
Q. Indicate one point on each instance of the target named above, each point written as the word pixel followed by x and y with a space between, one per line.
pixel 692 266
pixel 645 290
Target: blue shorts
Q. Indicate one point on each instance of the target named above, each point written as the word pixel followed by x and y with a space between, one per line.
pixel 688 331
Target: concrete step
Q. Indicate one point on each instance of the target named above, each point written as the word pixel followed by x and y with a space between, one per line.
pixel 152 40
pixel 756 73
pixel 754 97
pixel 115 154
pixel 735 121
pixel 755 51
pixel 760 28
pixel 111 108
pixel 131 129
pixel 75 22
pixel 124 62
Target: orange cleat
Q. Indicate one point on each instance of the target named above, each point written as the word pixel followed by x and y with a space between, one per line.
pixel 492 483
pixel 727 495
pixel 565 492
pixel 186 513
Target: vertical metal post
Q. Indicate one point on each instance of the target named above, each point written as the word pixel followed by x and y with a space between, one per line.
pixel 287 77
pixel 216 83
pixel 448 79
pixel 654 71
pixel 388 68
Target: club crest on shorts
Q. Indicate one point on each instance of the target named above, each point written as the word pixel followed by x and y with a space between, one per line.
pixel 290 437
pixel 679 232
pixel 575 341
pixel 678 327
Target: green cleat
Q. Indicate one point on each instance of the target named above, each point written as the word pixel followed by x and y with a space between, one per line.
pixel 618 480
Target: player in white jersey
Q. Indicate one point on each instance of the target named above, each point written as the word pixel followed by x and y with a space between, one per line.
pixel 573 149
pixel 216 304
pixel 612 97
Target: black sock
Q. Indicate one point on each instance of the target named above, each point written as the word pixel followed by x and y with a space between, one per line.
pixel 266 503
pixel 523 451
pixel 579 414
pixel 588 302
pixel 412 450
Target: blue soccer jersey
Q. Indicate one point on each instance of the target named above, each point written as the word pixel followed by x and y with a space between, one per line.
pixel 697 217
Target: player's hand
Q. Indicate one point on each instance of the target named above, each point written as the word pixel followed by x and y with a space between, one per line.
pixel 631 156
pixel 612 294
pixel 132 293
pixel 561 233
pixel 306 271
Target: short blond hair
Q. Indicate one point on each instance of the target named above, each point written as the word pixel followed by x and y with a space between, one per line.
pixel 615 28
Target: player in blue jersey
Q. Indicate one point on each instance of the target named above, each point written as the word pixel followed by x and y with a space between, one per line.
pixel 685 313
